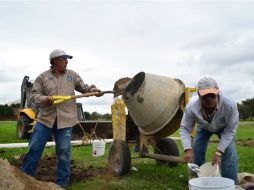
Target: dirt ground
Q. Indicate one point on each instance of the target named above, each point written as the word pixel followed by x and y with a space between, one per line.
pixel 12 178
pixel 46 172
pixel 249 142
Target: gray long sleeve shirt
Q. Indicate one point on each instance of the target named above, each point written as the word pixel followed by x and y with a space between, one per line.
pixel 226 118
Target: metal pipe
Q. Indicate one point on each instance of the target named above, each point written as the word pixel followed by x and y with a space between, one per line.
pixel 165 157
pixel 50 144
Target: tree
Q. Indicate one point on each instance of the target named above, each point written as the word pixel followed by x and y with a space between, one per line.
pixel 107 116
pixel 243 114
pixel 15 105
pixel 95 116
pixel 246 109
pixel 6 110
pixel 87 115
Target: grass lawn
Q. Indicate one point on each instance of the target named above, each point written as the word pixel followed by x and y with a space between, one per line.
pixel 8 132
pixel 148 175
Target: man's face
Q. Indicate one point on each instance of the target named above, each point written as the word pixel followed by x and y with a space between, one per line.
pixel 209 101
pixel 60 64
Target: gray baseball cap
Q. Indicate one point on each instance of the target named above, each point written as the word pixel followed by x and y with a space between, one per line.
pixel 207 85
pixel 59 53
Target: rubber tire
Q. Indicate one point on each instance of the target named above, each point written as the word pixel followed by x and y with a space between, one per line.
pixel 166 146
pixel 23 127
pixel 119 157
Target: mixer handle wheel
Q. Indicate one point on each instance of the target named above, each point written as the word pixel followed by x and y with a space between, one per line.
pixel 166 146
pixel 119 157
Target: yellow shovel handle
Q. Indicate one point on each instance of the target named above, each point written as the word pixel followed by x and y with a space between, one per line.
pixel 85 95
pixel 60 99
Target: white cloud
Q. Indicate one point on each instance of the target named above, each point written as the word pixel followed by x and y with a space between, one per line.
pixel 114 39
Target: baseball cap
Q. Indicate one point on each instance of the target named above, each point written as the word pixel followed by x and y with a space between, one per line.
pixel 207 85
pixel 59 53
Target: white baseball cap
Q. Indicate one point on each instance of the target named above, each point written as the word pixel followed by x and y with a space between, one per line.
pixel 59 53
pixel 206 86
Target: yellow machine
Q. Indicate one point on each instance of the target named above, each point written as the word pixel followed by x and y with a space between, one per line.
pixel 119 119
pixel 27 113
pixel 155 107
pixel 27 117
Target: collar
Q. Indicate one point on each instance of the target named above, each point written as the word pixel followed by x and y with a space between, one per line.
pixel 54 73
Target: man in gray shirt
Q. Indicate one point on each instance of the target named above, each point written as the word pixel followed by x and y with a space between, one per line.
pixel 214 114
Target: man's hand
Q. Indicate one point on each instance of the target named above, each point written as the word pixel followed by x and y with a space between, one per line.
pixel 93 88
pixel 217 158
pixel 189 156
pixel 248 185
pixel 49 101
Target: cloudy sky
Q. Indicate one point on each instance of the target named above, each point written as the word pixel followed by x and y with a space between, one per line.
pixel 114 39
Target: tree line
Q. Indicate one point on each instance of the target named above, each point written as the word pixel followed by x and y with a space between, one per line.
pixel 97 116
pixel 11 111
pixel 245 108
pixel 6 110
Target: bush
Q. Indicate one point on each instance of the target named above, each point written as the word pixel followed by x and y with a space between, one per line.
pixel 6 110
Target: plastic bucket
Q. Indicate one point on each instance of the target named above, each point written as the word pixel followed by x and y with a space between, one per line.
pixel 209 170
pixel 211 183
pixel 98 148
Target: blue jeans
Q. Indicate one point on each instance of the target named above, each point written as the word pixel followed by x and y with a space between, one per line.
pixel 229 158
pixel 38 140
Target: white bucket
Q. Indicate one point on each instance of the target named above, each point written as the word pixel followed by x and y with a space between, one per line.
pixel 209 170
pixel 98 148
pixel 211 183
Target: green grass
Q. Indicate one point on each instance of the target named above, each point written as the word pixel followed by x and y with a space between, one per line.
pixel 8 132
pixel 148 176
pixel 245 130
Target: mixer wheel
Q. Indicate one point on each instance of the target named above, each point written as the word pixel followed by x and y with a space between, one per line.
pixel 119 157
pixel 166 146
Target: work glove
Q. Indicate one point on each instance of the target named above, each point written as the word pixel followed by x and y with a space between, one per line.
pixel 189 156
pixel 217 158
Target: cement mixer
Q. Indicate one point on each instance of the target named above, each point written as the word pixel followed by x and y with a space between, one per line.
pixel 155 107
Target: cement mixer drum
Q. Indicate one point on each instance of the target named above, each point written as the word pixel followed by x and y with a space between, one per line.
pixel 153 102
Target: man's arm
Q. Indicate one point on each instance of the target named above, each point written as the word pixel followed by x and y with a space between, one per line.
pixel 230 130
pixel 227 135
pixel 80 86
pixel 187 125
pixel 37 93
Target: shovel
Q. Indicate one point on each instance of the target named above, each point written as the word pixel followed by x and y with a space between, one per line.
pixel 60 99
pixel 193 170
